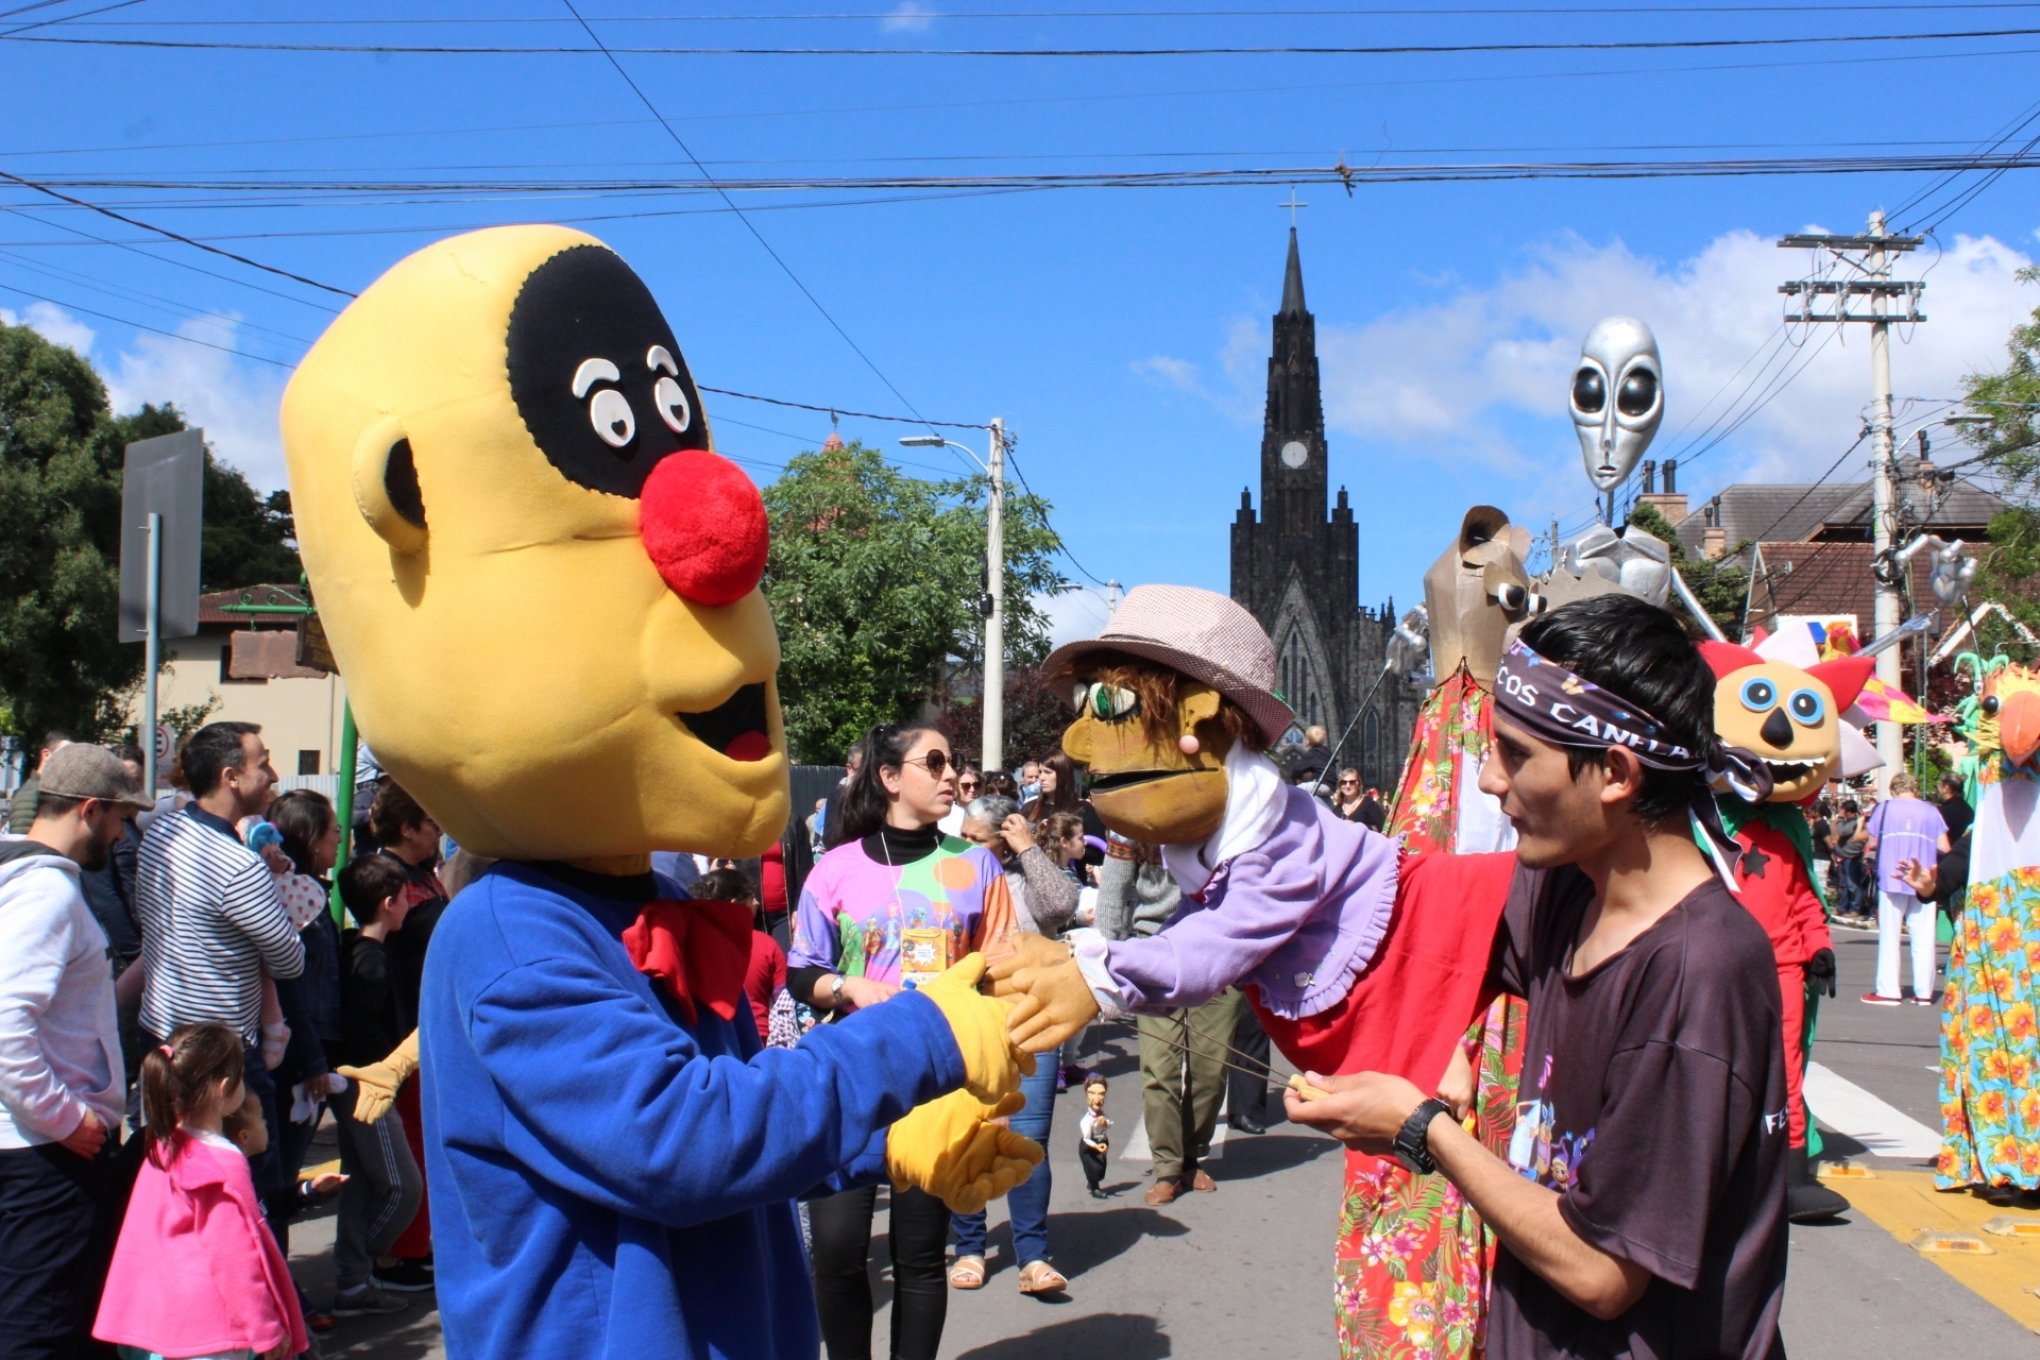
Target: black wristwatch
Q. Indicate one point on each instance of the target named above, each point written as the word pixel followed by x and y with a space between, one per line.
pixel 1412 1147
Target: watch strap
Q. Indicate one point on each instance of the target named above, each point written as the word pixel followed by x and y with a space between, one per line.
pixel 1412 1146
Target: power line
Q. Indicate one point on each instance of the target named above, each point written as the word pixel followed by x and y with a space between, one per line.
pixel 749 225
pixel 1039 53
pixel 140 326
pixel 61 18
pixel 1452 11
pixel 841 411
pixel 135 248
pixel 174 236
pixel 1061 546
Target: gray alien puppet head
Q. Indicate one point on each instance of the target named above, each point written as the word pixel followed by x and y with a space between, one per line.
pixel 1618 397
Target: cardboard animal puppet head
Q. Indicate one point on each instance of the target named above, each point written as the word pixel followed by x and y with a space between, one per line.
pixel 1177 679
pixel 538 580
pixel 1774 700
pixel 1476 592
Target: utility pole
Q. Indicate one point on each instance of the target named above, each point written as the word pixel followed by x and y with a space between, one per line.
pixel 1879 289
pixel 994 753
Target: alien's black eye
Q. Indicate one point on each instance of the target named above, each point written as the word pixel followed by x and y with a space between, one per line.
pixel 1990 706
pixel 1638 394
pixel 1589 391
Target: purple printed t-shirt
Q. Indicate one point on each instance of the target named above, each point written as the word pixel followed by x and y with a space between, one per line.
pixel 853 907
pixel 1905 828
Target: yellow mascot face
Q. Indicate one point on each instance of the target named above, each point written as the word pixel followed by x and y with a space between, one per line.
pixel 539 581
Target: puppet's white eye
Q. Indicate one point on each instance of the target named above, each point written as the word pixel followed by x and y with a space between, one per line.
pixel 609 412
pixel 672 404
pixel 1082 695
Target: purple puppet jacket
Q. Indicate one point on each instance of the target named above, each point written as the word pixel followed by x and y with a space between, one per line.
pixel 1299 917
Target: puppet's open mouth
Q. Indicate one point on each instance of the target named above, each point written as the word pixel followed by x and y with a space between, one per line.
pixel 736 727
pixel 1126 779
pixel 1786 771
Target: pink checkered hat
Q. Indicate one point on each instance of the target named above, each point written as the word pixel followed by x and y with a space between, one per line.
pixel 1205 635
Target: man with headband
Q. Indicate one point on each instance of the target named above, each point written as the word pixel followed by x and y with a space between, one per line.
pixel 1641 1208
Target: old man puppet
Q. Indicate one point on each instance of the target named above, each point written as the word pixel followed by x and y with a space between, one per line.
pixel 541 585
pixel 1354 956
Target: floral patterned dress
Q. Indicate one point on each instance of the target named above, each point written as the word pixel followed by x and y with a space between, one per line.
pixel 1413 1258
pixel 1990 1038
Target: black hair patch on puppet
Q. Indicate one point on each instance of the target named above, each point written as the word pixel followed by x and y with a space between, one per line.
pixel 400 483
pixel 596 373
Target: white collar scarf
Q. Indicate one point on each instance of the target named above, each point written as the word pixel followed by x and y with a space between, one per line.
pixel 1255 797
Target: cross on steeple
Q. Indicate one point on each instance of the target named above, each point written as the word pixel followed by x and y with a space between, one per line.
pixel 1292 205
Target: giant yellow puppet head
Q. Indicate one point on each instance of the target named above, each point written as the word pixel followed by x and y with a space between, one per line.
pixel 537 578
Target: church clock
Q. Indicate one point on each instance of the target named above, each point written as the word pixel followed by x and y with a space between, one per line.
pixel 1295 453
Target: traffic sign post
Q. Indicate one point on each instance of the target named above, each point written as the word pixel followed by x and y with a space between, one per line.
pixel 162 517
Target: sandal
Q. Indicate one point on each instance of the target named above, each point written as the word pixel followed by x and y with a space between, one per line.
pixel 1039 1277
pixel 967 1273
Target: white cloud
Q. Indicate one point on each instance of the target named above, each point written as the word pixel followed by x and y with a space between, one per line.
pixel 909 17
pixel 1073 614
pixel 1479 373
pixel 1180 374
pixel 54 324
pixel 234 401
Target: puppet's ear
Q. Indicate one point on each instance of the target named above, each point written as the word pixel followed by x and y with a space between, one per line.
pixel 1200 706
pixel 1845 677
pixel 385 478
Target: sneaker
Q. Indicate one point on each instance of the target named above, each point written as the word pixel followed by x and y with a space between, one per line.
pixel 413 1277
pixel 366 1301
pixel 1920 1000
pixel 1872 999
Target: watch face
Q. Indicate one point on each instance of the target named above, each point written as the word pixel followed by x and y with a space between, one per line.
pixel 1295 453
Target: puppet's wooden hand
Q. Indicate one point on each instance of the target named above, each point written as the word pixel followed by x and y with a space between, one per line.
pixel 951 1148
pixel 1051 1000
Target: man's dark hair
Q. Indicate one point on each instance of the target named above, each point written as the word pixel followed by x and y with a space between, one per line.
pixel 1850 807
pixel 212 751
pixel 393 813
pixel 1641 652
pixel 365 884
pixel 132 754
pixel 54 738
pixel 724 885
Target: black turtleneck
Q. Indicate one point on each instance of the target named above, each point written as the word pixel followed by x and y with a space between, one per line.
pixel 890 845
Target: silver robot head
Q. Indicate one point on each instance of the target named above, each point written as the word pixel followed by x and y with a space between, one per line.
pixel 1618 397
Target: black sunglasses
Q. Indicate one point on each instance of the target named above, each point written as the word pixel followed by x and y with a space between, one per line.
pixel 935 763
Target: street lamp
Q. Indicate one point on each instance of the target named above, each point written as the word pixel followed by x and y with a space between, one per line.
pixel 993 755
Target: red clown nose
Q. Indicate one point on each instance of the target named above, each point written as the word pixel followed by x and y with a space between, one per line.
pixel 703 525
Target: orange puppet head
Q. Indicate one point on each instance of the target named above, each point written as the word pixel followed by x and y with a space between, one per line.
pixel 1788 715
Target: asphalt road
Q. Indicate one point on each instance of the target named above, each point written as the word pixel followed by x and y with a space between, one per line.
pixel 1246 1271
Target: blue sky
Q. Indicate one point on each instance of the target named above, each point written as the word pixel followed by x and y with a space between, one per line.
pixel 1120 332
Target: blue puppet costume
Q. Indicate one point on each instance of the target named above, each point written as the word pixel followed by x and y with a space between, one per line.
pixel 499 460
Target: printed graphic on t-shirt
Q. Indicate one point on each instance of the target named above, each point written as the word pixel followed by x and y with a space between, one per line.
pixel 1538 1148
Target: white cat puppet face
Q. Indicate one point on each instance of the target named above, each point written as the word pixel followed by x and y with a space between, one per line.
pixel 1618 398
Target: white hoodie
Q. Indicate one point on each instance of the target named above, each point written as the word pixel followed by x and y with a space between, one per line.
pixel 59 1031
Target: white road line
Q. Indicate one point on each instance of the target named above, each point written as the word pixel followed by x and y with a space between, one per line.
pixel 1882 1129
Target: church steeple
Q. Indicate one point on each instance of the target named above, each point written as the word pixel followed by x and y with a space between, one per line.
pixel 1293 427
pixel 1292 280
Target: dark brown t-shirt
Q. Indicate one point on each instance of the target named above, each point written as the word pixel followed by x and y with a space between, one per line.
pixel 1653 1102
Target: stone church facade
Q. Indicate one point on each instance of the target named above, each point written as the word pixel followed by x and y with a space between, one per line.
pixel 1297 568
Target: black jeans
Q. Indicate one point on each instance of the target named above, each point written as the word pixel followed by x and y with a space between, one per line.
pixel 58 1216
pixel 918 1233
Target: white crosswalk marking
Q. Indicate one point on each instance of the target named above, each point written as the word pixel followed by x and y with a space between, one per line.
pixel 1883 1129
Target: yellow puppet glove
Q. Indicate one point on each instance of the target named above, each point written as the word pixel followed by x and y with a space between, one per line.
pixel 380 1082
pixel 950 1148
pixel 991 1065
pixel 1051 1000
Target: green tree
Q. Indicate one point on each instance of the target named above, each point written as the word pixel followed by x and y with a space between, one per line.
pixel 60 663
pixel 875 579
pixel 61 452
pixel 1037 715
pixel 2008 438
pixel 1722 585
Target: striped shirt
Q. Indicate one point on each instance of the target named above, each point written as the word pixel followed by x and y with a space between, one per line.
pixel 211 922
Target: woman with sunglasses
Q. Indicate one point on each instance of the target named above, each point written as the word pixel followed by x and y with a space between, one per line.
pixel 1347 800
pixel 890 907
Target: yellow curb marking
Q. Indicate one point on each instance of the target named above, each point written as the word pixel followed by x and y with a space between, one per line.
pixel 1906 1205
